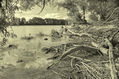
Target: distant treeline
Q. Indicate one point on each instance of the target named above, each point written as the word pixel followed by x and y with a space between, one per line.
pixel 39 21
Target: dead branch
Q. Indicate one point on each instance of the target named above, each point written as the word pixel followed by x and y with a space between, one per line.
pixel 72 62
pixel 111 14
pixel 99 47
pixel 94 70
pixel 81 34
pixel 74 49
pixel 58 73
pixel 113 70
pixel 53 64
pixel 44 2
pixel 111 39
pixel 94 76
pixel 77 66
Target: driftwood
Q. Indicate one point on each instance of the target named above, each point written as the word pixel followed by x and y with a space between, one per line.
pixel 74 49
pixel 95 46
pixel 77 34
pixel 98 46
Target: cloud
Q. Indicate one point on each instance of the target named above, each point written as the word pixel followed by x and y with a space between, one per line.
pixel 52 15
pixel 56 15
pixel 48 12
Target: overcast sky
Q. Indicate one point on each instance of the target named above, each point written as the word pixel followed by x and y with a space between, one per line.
pixel 48 12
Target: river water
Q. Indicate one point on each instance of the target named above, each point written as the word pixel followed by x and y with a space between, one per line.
pixel 34 61
pixel 33 29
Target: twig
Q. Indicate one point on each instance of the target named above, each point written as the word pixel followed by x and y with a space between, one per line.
pixel 77 66
pixel 44 2
pixel 93 69
pixel 111 14
pixel 55 63
pixel 111 39
pixel 72 62
pixel 94 76
pixel 58 74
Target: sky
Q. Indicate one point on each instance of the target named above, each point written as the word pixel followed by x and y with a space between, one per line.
pixel 48 12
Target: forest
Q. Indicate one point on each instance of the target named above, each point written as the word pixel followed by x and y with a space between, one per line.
pixel 92 49
pixel 39 21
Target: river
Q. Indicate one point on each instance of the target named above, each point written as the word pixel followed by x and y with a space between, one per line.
pixel 34 61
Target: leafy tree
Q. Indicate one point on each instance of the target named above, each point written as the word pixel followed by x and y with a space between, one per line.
pixel 74 8
pixel 8 8
pixel 23 21
pixel 16 21
pixel 36 20
pixel 103 8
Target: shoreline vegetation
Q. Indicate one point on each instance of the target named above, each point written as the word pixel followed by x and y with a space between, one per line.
pixel 39 21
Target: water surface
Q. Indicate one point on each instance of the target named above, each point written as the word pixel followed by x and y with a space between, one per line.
pixel 29 51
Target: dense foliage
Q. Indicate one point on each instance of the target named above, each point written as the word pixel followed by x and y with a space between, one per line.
pixel 39 21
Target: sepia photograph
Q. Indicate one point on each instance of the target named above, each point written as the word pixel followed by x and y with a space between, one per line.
pixel 59 39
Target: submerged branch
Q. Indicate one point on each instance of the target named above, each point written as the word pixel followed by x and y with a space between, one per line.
pixel 79 34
